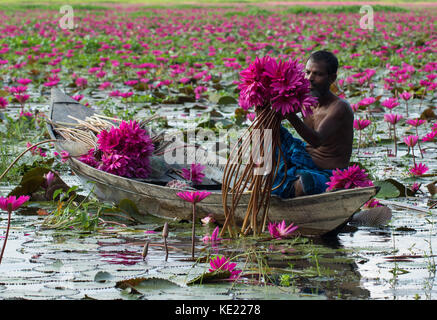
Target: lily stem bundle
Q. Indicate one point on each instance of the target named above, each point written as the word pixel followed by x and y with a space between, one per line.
pixel 239 177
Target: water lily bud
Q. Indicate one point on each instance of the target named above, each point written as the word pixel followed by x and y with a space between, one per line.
pixel 145 250
pixel 165 230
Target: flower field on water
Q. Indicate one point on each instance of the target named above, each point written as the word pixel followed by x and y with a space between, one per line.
pixel 185 62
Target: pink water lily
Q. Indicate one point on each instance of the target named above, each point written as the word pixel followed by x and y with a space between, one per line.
pixel 213 238
pixel 194 174
pixel 208 219
pixel 193 196
pixel 64 155
pixel 429 136
pixel 10 204
pixel 349 178
pixel 393 119
pixel 406 96
pixel 279 230
pixel 221 263
pixel 367 101
pixel 411 141
pixel 372 203
pixel 125 151
pixel 361 124
pixel 415 122
pixel 279 82
pixel 3 103
pixel 390 103
pixel 418 169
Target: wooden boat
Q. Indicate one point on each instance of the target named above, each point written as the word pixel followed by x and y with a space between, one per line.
pixel 316 215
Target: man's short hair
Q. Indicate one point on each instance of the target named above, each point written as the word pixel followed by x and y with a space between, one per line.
pixel 326 56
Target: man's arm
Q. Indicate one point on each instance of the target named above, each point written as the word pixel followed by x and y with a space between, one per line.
pixel 326 128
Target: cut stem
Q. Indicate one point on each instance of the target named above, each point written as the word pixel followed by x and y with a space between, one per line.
pixel 7 235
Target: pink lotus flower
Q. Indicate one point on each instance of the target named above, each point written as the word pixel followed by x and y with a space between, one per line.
pixel 415 122
pixel 418 169
pixel 367 101
pixel 49 178
pixel 64 155
pixel 213 238
pixel 372 203
pixel 221 263
pixel 11 203
pixel 352 177
pixel 411 141
pixel 199 90
pixel 126 95
pixel 81 82
pixel 406 95
pixel 28 115
pixel 22 98
pixel 390 103
pixel 392 118
pixel 78 97
pixel 193 196
pixel 361 124
pixel 105 85
pixel 208 219
pixel 251 116
pixel 279 230
pixel 24 81
pixel 194 174
pixel 3 103
pixel 429 136
pixel 281 83
pixel 126 151
pixel 415 187
pixel 18 90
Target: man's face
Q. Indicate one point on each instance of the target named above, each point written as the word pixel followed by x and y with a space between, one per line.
pixel 317 73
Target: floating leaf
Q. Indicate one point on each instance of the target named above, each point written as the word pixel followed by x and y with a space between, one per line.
pixel 103 276
pixel 404 191
pixel 227 100
pixel 388 190
pixel 146 284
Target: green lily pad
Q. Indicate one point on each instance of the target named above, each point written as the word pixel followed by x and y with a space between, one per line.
pixel 388 190
pixel 227 100
pixel 103 276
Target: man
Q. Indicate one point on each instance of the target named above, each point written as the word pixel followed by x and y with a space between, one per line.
pixel 328 135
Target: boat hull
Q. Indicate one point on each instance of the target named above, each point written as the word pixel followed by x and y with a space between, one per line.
pixel 315 215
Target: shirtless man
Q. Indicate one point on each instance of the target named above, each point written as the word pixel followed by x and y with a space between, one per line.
pixel 329 130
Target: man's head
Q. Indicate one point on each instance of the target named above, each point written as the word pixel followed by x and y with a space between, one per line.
pixel 321 70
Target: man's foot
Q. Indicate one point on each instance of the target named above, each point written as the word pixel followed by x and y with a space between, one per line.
pixel 298 188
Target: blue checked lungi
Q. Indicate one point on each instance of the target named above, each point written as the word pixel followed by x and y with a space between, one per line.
pixel 299 164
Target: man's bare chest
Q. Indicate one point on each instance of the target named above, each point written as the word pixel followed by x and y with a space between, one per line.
pixel 315 119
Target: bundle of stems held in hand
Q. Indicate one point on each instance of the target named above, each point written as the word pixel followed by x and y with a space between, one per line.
pixel 238 177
